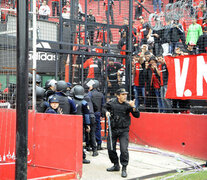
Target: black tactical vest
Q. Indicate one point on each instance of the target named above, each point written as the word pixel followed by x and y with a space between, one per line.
pixel 97 99
pixel 78 106
pixel 64 104
pixel 120 117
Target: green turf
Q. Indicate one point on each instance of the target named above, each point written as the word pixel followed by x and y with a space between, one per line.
pixel 201 175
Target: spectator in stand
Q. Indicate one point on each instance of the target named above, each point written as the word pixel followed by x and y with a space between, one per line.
pixel 147 56
pixel 157 3
pixel 91 28
pixel 109 5
pixel 144 30
pixel 162 67
pixel 202 42
pixel 122 45
pixel 94 68
pixel 125 28
pixel 81 34
pixel 138 8
pixel 134 38
pixel 80 60
pixel 99 50
pixel 144 48
pixel 194 31
pixel 152 75
pixel 139 80
pixel 65 14
pixel 67 6
pixel 55 7
pixel 102 34
pixel 113 78
pixel 190 50
pixel 199 13
pixel 165 39
pixel 204 22
pixel 44 11
pixel 176 34
pixel 156 33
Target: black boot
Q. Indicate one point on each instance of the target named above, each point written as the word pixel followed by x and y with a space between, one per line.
pixel 99 147
pixel 95 153
pixel 116 167
pixel 124 173
pixel 85 161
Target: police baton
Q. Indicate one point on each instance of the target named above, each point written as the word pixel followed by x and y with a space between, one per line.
pixel 109 132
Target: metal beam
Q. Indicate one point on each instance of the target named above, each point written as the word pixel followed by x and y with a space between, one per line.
pixel 22 91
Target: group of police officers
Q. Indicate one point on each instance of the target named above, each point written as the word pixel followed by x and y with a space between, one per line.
pixel 61 98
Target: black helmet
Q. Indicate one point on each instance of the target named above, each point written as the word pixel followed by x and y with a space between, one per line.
pixel 40 92
pixel 47 85
pixel 78 92
pixel 96 84
pixel 61 86
pixel 38 78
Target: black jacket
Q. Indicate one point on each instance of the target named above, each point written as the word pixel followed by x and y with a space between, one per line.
pixel 120 114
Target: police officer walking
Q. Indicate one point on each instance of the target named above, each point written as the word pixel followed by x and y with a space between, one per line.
pixel 97 98
pixel 118 109
pixel 82 109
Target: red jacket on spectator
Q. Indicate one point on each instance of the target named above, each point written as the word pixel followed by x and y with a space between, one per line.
pixel 199 16
pixel 94 67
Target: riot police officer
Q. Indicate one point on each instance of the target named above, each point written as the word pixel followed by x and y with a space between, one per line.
pixel 66 103
pixel 119 111
pixel 91 137
pixel 41 104
pixel 82 109
pixel 97 98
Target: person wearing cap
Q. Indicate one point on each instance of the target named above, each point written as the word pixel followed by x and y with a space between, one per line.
pixel 194 32
pixel 118 110
pixel 202 42
pixel 54 106
pixel 190 50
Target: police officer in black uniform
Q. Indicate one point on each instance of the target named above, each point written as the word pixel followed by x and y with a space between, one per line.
pixel 119 111
pixel 98 100
pixel 82 109
pixel 67 105
pixel 91 137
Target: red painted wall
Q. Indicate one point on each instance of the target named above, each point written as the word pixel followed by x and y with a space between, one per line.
pixel 181 133
pixel 54 142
